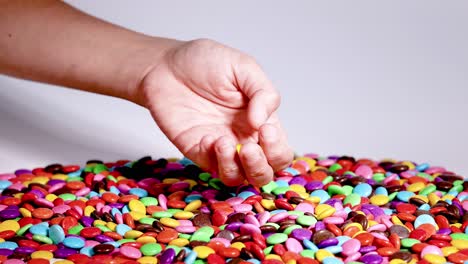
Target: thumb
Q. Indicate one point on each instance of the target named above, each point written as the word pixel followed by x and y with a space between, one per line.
pixel 264 100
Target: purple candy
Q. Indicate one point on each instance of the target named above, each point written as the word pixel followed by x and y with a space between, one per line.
pixel 87 221
pixel 234 226
pixel 167 256
pixel 25 250
pixel 103 238
pixel 444 231
pixel 301 234
pixel 64 252
pixel 38 193
pixel 367 249
pixel 117 205
pixel 22 171
pixel 332 201
pixel 298 180
pixel 371 259
pixel 328 242
pixel 9 214
pixel 314 185
pixel 319 226
pixel 205 210
pixel 54 181
pixel 5 252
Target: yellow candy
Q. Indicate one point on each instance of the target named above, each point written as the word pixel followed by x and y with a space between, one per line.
pixel 137 215
pixel 25 212
pixel 460 244
pixel 40 179
pixel 170 180
pixel 416 187
pixel 18 195
pixel 63 262
pixel 422 197
pixel 180 242
pixel 324 210
pixel 60 177
pixel 238 147
pixel 379 199
pixel 147 260
pixel 42 254
pixel 133 234
pixel 183 215
pixel 433 198
pixel 88 210
pixel 310 162
pixel 291 261
pixel 191 182
pixel 203 251
pixel 409 164
pixel 434 259
pixel 397 261
pixel 169 222
pixel 358 225
pixel 50 197
pixel 458 225
pixel 396 220
pixel 273 256
pixel 447 197
pixel 297 188
pixel 371 223
pixel 238 245
pixel 449 250
pixel 322 253
pixel 99 222
pixel 193 205
pixel 111 225
pixel 359 232
pixel 9 225
pixel 137 206
pixel 146 239
pixel 306 196
pixel 2 240
pixel 268 204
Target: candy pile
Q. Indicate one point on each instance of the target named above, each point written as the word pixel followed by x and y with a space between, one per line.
pixel 319 210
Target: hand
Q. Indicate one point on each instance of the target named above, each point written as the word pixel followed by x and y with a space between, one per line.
pixel 207 98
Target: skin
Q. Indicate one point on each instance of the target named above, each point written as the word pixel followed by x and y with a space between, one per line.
pixel 205 97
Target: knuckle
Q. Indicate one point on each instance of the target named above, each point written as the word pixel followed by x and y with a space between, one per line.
pixel 230 171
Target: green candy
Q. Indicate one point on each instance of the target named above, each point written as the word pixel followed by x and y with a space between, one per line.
pixel 275 225
pixel 162 214
pixel 298 213
pixel 216 184
pixel 335 167
pixel 289 229
pixel 459 236
pixel 204 176
pixel 409 242
pixel 186 236
pixel 68 196
pixel 277 238
pixel 269 187
pixel 392 196
pixel 23 229
pixel 307 253
pixel 111 178
pixel 147 201
pixel 99 168
pixel 327 180
pixel 77 229
pixel 335 189
pixel 281 190
pixel 74 179
pixel 268 250
pixel 125 240
pixel 428 189
pixel 306 220
pixel 203 234
pixel 173 210
pixel 347 190
pixel 457 188
pixel 147 220
pixel 43 239
pixel 457 182
pixel 352 199
pixel 103 228
pixel 222 227
pixel 150 249
pixel 199 261
pixel 378 177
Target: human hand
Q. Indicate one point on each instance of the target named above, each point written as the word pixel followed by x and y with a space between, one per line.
pixel 207 98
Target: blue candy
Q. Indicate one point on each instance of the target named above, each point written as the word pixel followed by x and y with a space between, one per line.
pixel 138 192
pixel 8 245
pixel 56 233
pixel 74 242
pixel 40 229
pixel 323 195
pixel 424 219
pixel 4 184
pixel 404 196
pixel 363 189
pixel 121 229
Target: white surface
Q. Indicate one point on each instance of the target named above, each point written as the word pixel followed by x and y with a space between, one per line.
pixel 363 78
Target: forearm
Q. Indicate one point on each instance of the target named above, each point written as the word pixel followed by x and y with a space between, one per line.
pixel 49 41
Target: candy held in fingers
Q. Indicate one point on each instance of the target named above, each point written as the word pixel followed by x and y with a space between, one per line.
pixel 319 210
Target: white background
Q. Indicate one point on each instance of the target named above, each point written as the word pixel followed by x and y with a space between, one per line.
pixel 364 78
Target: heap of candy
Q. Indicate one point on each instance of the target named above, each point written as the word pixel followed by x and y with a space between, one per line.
pixel 320 210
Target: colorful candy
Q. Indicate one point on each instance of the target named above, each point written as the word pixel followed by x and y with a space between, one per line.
pixel 319 210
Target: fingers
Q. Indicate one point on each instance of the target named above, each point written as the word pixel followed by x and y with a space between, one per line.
pixel 228 163
pixel 256 167
pixel 207 159
pixel 273 143
pixel 253 82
